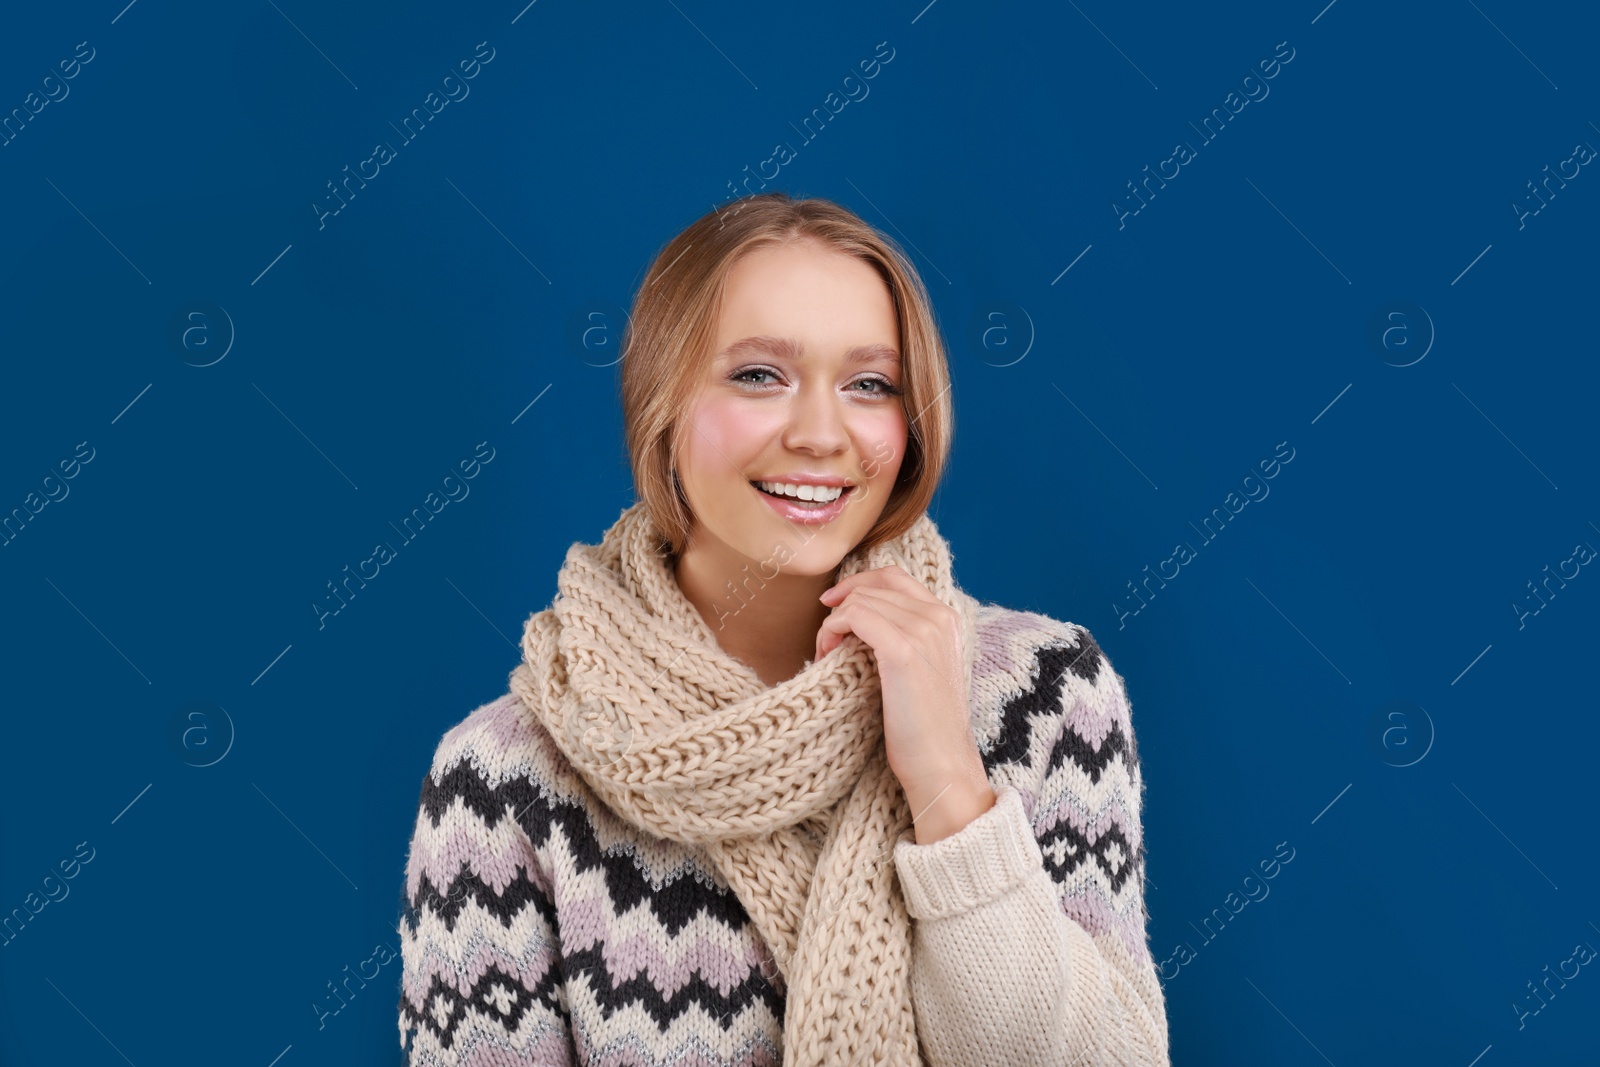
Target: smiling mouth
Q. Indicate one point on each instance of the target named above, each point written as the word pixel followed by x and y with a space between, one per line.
pixel 808 505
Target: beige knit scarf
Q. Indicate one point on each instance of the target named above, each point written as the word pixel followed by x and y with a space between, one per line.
pixel 786 788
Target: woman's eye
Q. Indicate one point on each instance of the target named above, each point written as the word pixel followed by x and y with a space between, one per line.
pixel 752 376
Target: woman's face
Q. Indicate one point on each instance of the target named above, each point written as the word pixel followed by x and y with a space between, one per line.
pixel 804 387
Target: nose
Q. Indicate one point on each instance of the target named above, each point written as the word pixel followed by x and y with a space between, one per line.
pixel 816 421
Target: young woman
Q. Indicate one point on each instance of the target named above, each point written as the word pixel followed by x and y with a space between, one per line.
pixel 768 786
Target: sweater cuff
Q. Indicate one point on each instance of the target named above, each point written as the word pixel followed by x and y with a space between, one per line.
pixel 979 863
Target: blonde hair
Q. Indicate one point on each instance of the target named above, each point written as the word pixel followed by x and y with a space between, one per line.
pixel 668 340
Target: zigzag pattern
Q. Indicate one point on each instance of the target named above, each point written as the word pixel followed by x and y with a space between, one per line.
pixel 1041 699
pixel 1086 814
pixel 538 927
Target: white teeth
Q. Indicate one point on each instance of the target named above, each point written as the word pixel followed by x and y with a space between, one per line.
pixel 821 494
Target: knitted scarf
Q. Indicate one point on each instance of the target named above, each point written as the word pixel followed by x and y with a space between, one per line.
pixel 787 788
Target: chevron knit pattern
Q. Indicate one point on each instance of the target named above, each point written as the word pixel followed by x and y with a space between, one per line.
pixel 538 927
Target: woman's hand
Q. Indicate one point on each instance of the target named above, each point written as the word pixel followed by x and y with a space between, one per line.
pixel 919 646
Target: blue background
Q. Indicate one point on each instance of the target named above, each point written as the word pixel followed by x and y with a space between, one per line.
pixel 1342 669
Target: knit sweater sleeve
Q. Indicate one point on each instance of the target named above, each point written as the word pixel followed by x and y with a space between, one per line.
pixel 1029 942
pixel 481 972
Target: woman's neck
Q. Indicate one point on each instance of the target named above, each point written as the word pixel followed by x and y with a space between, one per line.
pixel 769 624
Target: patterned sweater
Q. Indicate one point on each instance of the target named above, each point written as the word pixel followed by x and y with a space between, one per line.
pixel 537 927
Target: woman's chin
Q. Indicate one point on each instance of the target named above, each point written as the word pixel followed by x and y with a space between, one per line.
pixel 798 551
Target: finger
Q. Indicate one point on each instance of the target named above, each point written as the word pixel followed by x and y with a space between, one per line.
pixel 892 630
pixel 892 576
pixel 827 642
pixel 843 621
pixel 929 620
pixel 922 632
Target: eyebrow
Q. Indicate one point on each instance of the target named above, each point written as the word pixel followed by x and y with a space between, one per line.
pixel 788 348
